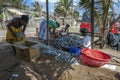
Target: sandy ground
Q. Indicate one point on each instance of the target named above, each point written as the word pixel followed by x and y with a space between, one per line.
pixel 47 68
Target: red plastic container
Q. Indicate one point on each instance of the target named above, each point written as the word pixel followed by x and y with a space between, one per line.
pixel 95 58
pixel 86 25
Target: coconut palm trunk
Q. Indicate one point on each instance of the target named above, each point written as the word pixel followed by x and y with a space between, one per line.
pixel 104 31
pixel 101 15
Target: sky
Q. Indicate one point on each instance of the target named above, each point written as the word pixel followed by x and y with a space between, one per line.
pixel 43 2
pixel 52 4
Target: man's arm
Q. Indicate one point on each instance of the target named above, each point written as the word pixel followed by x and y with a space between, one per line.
pixel 54 30
pixel 24 28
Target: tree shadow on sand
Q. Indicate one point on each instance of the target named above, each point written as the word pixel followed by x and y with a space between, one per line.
pixel 47 68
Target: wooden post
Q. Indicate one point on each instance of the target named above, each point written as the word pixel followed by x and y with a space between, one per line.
pixel 37 31
pixel 47 10
pixel 92 22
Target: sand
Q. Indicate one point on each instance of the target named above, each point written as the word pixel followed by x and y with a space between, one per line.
pixel 47 68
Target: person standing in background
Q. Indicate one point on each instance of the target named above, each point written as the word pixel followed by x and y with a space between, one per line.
pixel 43 29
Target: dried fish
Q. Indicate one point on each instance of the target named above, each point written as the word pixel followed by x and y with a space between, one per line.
pixel 68 41
pixel 58 54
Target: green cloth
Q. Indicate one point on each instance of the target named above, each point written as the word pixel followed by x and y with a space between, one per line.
pixel 52 24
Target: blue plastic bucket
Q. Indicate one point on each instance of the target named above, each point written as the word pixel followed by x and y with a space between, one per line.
pixel 75 50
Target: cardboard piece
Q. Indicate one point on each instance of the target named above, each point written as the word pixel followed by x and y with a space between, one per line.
pixel 27 50
pixel 109 66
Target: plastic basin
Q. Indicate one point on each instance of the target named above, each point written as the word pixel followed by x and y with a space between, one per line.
pixel 93 57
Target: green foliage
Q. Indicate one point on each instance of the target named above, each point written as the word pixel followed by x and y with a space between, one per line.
pixel 37 6
pixel 14 3
pixel 1 17
pixel 86 4
pixel 63 7
pixel 44 12
pixel 17 3
pixel 36 15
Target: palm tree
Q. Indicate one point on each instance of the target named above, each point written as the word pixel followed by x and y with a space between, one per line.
pixel 63 8
pixel 37 6
pixel 102 8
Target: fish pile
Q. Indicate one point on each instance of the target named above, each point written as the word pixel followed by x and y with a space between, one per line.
pixel 20 35
pixel 68 41
pixel 58 54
